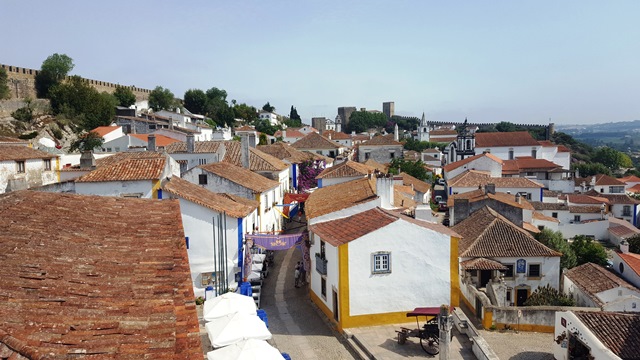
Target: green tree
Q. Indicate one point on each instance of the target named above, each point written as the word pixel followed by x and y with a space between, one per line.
pixel 360 121
pixel 263 139
pixel 505 126
pixel 245 112
pixel 53 70
pixel 268 107
pixel 218 108
pixel 78 101
pixel 555 241
pixel 264 126
pixel 5 91
pixel 413 168
pixel 124 96
pixel 611 158
pixel 634 244
pixel 293 114
pixel 419 146
pixel 161 99
pixel 87 142
pixel 195 100
pixel 548 296
pixel 590 169
pixel 587 250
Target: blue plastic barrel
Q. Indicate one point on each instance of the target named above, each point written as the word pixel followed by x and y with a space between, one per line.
pixel 263 316
pixel 208 293
pixel 245 289
pixel 286 356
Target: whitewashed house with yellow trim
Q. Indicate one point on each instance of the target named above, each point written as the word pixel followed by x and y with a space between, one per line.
pixel 371 265
pixel 22 167
pixel 129 175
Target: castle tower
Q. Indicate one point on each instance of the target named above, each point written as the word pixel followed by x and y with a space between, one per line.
pixel 423 129
pixel 466 142
pixel 338 123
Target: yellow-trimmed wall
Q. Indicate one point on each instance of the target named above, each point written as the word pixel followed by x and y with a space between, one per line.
pixel 58 168
pixel 155 185
pixel 320 304
pixel 343 287
pixel 455 272
pixel 527 327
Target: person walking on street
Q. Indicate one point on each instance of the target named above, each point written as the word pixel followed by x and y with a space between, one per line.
pixel 297 275
pixel 303 275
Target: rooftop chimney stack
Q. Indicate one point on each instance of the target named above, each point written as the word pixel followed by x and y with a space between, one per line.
pixel 244 151
pixel 191 144
pixel 252 140
pixel 490 189
pixel 384 190
pixel 624 247
pixel 87 161
pixel 151 142
pixel 396 133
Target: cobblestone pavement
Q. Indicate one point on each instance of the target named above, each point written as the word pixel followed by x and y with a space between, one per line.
pixel 519 346
pixel 298 328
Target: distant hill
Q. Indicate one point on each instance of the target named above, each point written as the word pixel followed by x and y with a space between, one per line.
pixel 623 136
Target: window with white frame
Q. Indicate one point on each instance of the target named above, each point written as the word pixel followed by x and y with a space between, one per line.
pixel 20 166
pixel 47 164
pixel 381 262
pixel 202 161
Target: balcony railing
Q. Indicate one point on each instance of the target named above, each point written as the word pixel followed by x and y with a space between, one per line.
pixel 321 265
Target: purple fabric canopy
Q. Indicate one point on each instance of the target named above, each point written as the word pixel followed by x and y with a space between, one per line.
pixel 275 242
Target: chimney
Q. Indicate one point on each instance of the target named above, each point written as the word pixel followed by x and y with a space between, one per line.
pixel 518 198
pixel 490 189
pixel 284 134
pixel 151 142
pixel 396 135
pixel 244 151
pixel 624 247
pixel 353 133
pixel 384 190
pixel 191 145
pixel 87 161
pixel 252 140
pixel 329 136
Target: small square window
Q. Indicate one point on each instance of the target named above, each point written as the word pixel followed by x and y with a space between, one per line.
pixel 534 270
pixel 381 263
pixel 47 164
pixel 20 165
pixel 554 215
pixel 367 155
pixel 576 218
pixel 509 272
pixel 392 155
pixel 202 179
pixel 323 287
pixel 202 161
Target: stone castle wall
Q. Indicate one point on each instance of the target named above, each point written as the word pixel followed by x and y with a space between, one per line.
pixel 21 81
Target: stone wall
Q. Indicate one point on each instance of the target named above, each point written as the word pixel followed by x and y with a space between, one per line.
pixel 22 83
pixel 39 106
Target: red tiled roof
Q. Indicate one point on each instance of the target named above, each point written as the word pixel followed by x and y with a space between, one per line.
pixel 632 260
pixel 121 156
pixel 315 141
pixel 340 196
pixel 345 169
pixel 290 133
pixel 11 140
pixel 104 130
pixel 286 152
pixel 628 179
pixel 457 164
pixel 386 140
pixel 341 231
pixel 336 135
pixel 482 264
pixel 199 147
pixel 488 234
pixel 19 152
pixel 245 128
pixel 613 198
pixel 258 161
pixel 562 148
pixel 593 279
pixel 161 140
pixel 498 139
pixel 585 199
pixel 416 183
pixel 113 285
pixel 619 332
pixel 472 178
pixel 543 217
pixel 127 170
pixel 215 201
pixel 529 164
pixel 601 180
pixel 439 132
pixel 480 195
pixel 634 189
pixel 241 176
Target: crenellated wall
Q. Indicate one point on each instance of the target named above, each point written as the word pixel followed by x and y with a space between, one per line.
pixel 21 81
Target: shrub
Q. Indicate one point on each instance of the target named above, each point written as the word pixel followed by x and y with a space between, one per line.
pixel 28 136
pixel 55 130
pixel 23 114
pixel 199 300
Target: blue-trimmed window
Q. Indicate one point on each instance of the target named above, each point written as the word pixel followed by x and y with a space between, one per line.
pixel 381 262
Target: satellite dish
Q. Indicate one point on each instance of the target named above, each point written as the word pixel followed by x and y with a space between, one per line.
pixel 46 142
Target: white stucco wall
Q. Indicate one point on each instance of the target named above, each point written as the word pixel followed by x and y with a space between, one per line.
pixel 195 159
pixel 536 194
pixel 627 273
pixel 114 134
pixel 597 228
pixel 331 254
pixel 483 163
pixel 573 324
pixel 116 188
pixel 34 173
pixel 420 270
pixel 580 297
pixel 334 181
pixel 502 152
pixel 356 209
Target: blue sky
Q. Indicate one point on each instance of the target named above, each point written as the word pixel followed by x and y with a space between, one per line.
pixel 519 61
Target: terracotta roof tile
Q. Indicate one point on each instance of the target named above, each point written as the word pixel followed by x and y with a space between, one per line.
pixel 115 285
pixel 457 164
pixel 480 195
pixel 161 140
pixel 424 224
pixel 315 141
pixel 612 328
pixel 622 228
pixel 528 164
pixel 634 189
pixel 593 279
pixel 199 147
pixel 127 170
pixel 416 183
pixel 376 165
pixel 548 206
pixel 19 152
pixel 121 156
pixel 104 130
pixel 562 148
pixel 482 264
pixel 258 160
pixel 630 178
pixel 530 227
pixel 488 234
pixel 498 139
pixel 441 132
pixel 336 135
pixel 286 152
pixel 241 176
pixel 340 196
pixel 582 209
pixel 386 140
pixel 290 133
pixel 540 216
pixel 341 231
pixel 12 140
pixel 633 260
pixel 601 180
pixel 473 178
pixel 614 198
pixel 245 128
pixel 345 169
pixel 217 202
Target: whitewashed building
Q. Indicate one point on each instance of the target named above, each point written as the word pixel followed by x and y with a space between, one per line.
pixel 22 167
pixel 214 227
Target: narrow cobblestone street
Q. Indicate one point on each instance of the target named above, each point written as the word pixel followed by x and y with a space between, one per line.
pixel 298 328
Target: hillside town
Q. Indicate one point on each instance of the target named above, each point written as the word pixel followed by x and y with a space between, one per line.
pixel 165 233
